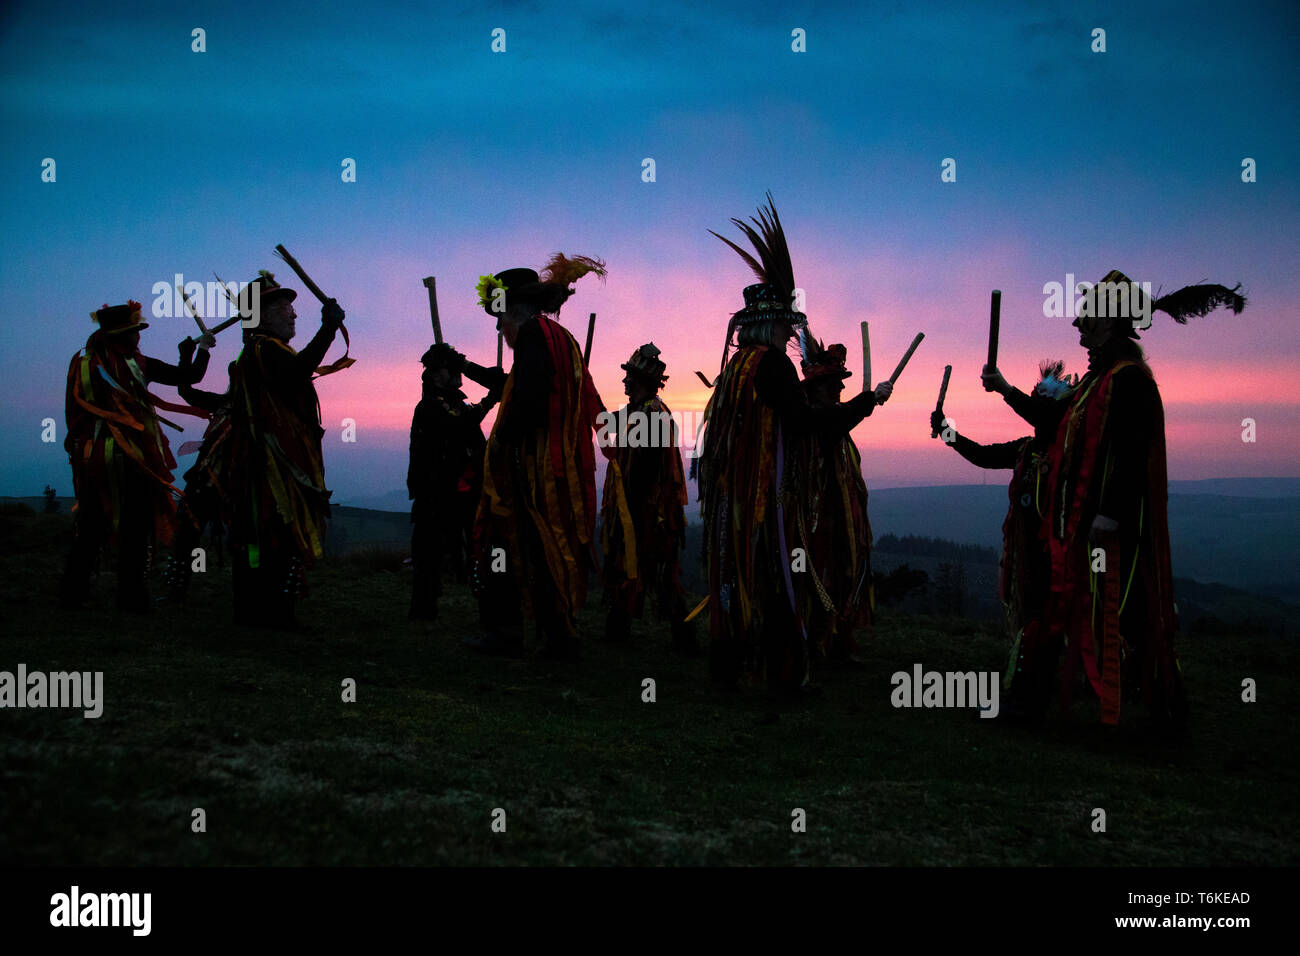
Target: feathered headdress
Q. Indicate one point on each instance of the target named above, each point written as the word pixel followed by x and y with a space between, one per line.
pixel 1199 300
pixel 565 270
pixel 1054 383
pixel 547 290
pixel 773 266
pixel 773 296
pixel 821 361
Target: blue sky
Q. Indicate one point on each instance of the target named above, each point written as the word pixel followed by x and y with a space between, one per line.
pixel 470 161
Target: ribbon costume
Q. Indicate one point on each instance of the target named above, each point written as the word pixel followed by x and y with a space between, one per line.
pixel 834 519
pixel 535 528
pixel 1024 574
pixel 121 460
pixel 750 486
pixel 280 505
pixel 647 448
pixel 1106 527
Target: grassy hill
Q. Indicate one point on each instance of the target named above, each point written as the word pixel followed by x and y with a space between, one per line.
pixel 249 725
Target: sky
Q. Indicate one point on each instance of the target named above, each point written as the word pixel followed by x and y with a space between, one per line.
pixel 468 161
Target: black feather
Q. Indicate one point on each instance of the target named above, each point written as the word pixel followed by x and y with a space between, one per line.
pixel 1199 300
pixel 773 265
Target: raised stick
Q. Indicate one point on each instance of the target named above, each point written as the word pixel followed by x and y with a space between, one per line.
pixel 907 357
pixel 234 301
pixel 190 308
pixel 943 392
pixel 431 284
pixel 866 359
pixel 591 331
pixel 306 279
pixel 995 318
pixel 338 364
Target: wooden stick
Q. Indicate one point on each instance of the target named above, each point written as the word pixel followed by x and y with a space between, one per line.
pixel 226 324
pixel 222 326
pixel 907 357
pixel 431 284
pixel 234 301
pixel 995 318
pixel 707 383
pixel 190 308
pixel 943 392
pixel 500 340
pixel 866 359
pixel 306 279
pixel 591 331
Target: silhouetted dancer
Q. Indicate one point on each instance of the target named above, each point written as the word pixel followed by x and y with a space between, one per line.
pixel 1107 526
pixel 1025 570
pixel 834 518
pixel 207 504
pixel 750 493
pixel 445 476
pixel 647 447
pixel 279 505
pixel 534 531
pixel 121 461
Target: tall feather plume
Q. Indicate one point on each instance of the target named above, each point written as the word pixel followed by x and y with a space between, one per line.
pixel 567 270
pixel 1199 300
pixel 772 267
pixel 773 263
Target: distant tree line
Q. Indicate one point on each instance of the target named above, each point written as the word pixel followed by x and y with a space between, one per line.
pixel 936 548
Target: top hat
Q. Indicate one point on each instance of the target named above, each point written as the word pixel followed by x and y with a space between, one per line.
pixel 521 285
pixel 114 319
pixel 645 361
pixel 547 290
pixel 765 302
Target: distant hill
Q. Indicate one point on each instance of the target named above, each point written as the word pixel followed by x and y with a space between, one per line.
pixel 1238 532
pixel 359 529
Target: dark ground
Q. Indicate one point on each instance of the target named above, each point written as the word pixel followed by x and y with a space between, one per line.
pixel 250 726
